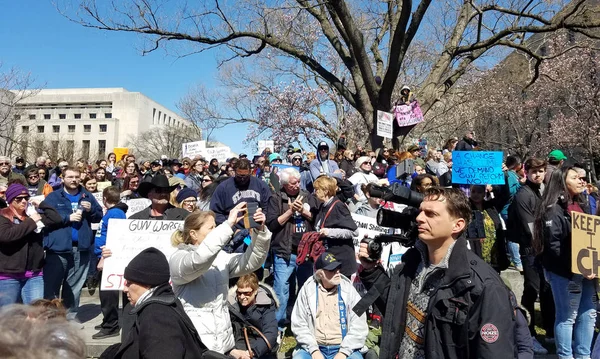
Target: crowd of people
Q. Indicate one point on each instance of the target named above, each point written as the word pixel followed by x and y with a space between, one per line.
pixel 269 246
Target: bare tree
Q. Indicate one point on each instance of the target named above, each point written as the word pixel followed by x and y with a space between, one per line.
pixel 167 141
pixel 15 86
pixel 371 38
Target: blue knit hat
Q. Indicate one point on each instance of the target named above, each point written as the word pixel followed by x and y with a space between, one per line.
pixel 185 193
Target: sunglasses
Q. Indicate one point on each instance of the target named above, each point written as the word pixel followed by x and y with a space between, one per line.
pixel 245 294
pixel 21 198
pixel 4 163
pixel 206 180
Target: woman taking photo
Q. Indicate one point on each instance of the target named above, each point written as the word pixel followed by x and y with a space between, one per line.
pixel 200 271
pixel 573 293
pixel 21 248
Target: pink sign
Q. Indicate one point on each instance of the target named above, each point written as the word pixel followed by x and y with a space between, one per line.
pixel 407 115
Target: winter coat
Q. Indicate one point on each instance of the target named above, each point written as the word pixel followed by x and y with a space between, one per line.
pixel 317 169
pixel 466 144
pixel 469 315
pixel 194 181
pixel 348 167
pixel 260 315
pixel 304 316
pixel 556 256
pixel 285 237
pixel 58 238
pixel 161 330
pixel 521 215
pixel 55 181
pixel 21 248
pixel 200 276
pixel 12 177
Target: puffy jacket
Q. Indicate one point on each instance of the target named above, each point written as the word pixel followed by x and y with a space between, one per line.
pixel 304 316
pixel 470 299
pixel 200 275
pixel 261 315
pixel 21 248
pixel 58 238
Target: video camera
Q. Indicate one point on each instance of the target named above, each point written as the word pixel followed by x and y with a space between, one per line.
pixel 405 221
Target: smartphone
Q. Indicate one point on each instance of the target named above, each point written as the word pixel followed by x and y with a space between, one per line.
pixel 249 222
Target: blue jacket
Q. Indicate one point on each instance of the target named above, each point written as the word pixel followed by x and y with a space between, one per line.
pixel 513 187
pixel 118 211
pixel 58 239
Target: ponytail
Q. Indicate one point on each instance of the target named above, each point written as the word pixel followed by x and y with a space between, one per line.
pixel 177 238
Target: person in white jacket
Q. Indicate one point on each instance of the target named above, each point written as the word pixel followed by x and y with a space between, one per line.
pixel 323 321
pixel 200 271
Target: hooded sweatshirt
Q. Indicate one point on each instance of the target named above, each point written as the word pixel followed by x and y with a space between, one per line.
pixel 323 165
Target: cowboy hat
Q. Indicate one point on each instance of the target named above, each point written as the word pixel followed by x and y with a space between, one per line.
pixel 158 181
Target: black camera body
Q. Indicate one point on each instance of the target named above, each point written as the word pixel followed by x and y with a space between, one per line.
pixel 404 222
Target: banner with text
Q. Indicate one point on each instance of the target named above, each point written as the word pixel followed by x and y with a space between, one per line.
pixel 136 205
pixel 408 115
pixel 477 167
pixel 585 257
pixel 126 238
pixel 192 149
pixel 384 124
pixel 220 153
pixel 367 227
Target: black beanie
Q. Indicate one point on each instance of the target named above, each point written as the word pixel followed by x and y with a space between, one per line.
pixel 150 267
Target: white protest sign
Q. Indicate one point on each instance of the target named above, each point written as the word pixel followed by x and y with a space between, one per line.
pixel 264 144
pixel 220 153
pixel 126 238
pixel 384 124
pixel 136 205
pixel 192 149
pixel 367 227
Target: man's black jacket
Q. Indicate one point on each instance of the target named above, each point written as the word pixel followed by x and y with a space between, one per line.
pixel 468 316
pixel 521 215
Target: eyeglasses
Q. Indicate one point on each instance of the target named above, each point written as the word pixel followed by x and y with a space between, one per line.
pixel 4 163
pixel 21 198
pixel 189 202
pixel 245 294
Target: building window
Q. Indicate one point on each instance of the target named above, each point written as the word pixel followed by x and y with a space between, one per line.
pixel 40 129
pixel 17 117
pixel 25 129
pixel 71 128
pixel 55 129
pixel 103 128
pixel 101 148
pixel 87 128
pixel 85 148
pixel 77 116
pixel 62 116
pixel 46 116
pixel 32 117
pixel 154 116
pixel 108 115
pixel 92 115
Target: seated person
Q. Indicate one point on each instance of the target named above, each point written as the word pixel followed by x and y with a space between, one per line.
pixel 252 308
pixel 323 321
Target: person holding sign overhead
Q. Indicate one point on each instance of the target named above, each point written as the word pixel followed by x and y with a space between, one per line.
pixel 200 270
pixel 574 294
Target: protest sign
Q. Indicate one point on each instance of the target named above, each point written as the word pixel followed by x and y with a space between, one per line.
pixel 265 144
pixel 477 167
pixel 220 153
pixel 120 152
pixel 192 149
pixel 391 253
pixel 384 124
pixel 126 238
pixel 136 205
pixel 102 185
pixel 407 115
pixel 585 259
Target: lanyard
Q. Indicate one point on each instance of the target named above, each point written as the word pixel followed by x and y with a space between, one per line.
pixel 341 308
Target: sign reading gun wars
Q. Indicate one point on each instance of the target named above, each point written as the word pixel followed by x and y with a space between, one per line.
pixel 584 249
pixel 477 167
pixel 126 238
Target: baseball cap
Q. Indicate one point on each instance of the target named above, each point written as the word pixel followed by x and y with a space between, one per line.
pixel 19 159
pixel 243 155
pixel 557 155
pixel 159 162
pixel 327 261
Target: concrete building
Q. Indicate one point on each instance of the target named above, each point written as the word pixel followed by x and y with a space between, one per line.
pixel 88 123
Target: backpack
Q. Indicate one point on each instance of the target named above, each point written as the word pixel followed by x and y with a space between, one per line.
pixel 310 246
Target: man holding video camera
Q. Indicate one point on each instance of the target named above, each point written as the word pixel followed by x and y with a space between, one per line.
pixel 442 301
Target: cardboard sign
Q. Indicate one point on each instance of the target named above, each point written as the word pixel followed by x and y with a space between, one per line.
pixel 585 258
pixel 477 167
pixel 408 115
pixel 384 124
pixel 120 151
pixel 192 149
pixel 220 153
pixel 266 144
pixel 126 238
pixel 136 205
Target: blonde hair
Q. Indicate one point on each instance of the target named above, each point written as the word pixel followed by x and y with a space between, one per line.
pixel 248 280
pixel 194 221
pixel 326 184
pixel 311 156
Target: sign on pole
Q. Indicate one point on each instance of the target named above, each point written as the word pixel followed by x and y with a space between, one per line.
pixel 477 167
pixel 192 149
pixel 585 258
pixel 384 124
pixel 126 238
